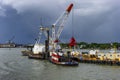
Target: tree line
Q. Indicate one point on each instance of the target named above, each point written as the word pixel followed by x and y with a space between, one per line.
pixel 85 45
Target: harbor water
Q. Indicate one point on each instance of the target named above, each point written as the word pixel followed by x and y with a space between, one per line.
pixel 14 66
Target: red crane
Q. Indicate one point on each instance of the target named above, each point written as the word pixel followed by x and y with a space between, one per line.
pixel 56 30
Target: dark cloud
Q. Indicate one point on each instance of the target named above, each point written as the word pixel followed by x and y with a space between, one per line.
pixel 98 25
pixel 93 21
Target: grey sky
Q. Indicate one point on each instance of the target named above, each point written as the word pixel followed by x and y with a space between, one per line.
pixel 93 20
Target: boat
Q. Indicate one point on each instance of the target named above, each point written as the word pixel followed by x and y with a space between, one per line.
pixel 37 50
pixel 36 56
pixel 58 58
pixel 26 52
pixel 65 63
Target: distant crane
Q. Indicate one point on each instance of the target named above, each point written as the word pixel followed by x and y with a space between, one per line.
pixel 11 40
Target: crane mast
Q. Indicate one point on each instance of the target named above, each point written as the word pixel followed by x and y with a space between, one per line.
pixel 60 24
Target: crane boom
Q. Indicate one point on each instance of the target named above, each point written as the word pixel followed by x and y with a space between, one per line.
pixel 60 23
pixel 69 8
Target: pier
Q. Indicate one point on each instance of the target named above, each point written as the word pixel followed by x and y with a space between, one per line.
pixel 100 62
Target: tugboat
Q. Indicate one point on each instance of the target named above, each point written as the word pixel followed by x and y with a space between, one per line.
pixel 58 57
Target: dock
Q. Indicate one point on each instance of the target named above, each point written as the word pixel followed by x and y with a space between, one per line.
pixel 99 62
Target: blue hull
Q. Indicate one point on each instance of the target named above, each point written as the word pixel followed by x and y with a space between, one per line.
pixel 72 63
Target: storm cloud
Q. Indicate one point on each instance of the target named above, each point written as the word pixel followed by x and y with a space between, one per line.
pixel 90 20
